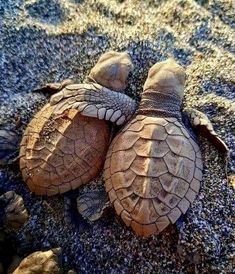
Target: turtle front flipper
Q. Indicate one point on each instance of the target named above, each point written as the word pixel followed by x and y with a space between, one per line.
pixel 55 87
pixel 92 204
pixel 203 125
pixel 96 101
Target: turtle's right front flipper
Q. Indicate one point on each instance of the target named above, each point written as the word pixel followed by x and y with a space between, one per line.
pixel 97 101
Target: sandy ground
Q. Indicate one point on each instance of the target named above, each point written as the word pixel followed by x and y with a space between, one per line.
pixel 45 41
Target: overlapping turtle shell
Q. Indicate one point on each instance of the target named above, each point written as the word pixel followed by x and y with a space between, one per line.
pixel 60 152
pixel 152 173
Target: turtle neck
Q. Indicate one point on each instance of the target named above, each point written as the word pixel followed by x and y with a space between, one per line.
pixel 159 104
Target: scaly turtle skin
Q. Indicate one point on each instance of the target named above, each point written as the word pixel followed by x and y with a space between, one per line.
pixel 153 167
pixel 9 142
pixel 13 213
pixel 62 149
pixel 92 204
pixel 41 262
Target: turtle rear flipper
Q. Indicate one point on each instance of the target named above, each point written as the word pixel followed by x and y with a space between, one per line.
pixel 92 204
pixel 13 212
pixel 9 146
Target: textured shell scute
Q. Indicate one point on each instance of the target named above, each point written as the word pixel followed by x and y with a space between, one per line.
pixel 153 173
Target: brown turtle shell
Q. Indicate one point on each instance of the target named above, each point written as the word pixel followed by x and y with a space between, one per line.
pixel 152 173
pixel 61 152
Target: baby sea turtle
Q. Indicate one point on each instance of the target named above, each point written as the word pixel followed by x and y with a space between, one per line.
pixel 153 167
pixel 61 148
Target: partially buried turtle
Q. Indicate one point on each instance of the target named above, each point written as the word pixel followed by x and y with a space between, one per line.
pixel 61 148
pixel 153 167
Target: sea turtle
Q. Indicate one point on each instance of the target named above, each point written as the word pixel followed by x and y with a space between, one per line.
pixel 153 168
pixel 61 148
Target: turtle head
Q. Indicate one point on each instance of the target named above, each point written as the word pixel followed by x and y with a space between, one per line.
pixel 166 77
pixel 112 70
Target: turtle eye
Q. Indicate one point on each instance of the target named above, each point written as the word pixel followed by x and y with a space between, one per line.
pixel 182 78
pixel 113 71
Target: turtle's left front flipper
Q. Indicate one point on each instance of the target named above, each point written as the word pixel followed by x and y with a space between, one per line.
pixel 96 101
pixel 203 125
